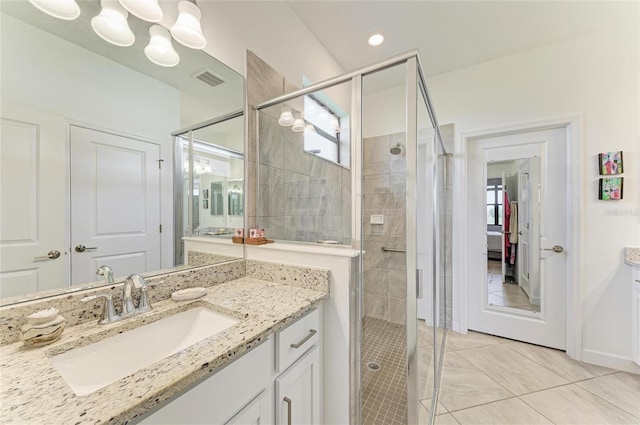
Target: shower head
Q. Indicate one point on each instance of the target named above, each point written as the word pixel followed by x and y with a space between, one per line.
pixel 396 150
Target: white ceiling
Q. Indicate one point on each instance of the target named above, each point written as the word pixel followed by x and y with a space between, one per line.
pixel 450 34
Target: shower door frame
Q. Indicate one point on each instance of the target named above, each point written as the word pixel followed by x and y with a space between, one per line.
pixel 415 83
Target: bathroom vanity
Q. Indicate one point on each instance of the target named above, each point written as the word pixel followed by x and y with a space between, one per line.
pixel 271 358
pixel 284 372
pixel 632 258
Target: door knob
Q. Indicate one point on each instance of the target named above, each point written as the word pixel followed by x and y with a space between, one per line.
pixel 556 248
pixel 82 248
pixel 51 255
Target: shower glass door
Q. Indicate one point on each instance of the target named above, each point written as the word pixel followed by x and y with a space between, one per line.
pixel 401 280
pixel 385 152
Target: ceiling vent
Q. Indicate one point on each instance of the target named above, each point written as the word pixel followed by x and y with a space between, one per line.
pixel 208 77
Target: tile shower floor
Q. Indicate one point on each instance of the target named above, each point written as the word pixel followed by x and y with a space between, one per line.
pixel 384 391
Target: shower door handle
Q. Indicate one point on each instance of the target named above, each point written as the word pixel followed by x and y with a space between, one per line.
pixel 418 285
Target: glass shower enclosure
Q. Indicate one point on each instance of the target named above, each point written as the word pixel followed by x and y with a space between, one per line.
pixel 361 162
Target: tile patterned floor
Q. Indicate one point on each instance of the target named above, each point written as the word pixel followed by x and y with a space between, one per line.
pixel 490 380
pixel 506 294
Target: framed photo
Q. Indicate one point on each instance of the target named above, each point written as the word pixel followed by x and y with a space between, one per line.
pixel 610 189
pixel 205 204
pixel 610 163
pixel 205 194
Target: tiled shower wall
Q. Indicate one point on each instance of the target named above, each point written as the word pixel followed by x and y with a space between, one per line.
pixel 300 197
pixel 384 282
pixel 384 189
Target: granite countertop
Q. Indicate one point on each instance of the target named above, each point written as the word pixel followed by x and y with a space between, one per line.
pixel 632 256
pixel 32 391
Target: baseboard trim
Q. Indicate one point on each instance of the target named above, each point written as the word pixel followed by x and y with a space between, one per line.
pixel 610 360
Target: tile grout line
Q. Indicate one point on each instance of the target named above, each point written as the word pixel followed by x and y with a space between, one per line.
pixel 534 409
pixel 552 371
pixel 482 372
pixel 604 399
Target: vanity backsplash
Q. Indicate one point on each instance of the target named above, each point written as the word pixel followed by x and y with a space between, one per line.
pixel 76 312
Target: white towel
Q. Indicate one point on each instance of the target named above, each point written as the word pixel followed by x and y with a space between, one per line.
pixel 513 222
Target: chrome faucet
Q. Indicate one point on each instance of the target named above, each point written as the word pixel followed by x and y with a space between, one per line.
pixel 107 272
pixel 134 281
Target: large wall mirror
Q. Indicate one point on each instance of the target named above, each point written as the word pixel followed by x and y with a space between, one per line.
pixel 88 152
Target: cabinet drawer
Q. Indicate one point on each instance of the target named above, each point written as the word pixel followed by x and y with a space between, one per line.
pixel 294 341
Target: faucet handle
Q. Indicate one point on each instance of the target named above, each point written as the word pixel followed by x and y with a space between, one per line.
pixel 144 297
pixel 108 312
pixel 127 300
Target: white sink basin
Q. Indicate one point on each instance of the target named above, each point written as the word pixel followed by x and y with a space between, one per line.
pixel 89 368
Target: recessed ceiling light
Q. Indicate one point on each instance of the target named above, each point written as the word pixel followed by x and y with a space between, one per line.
pixel 376 39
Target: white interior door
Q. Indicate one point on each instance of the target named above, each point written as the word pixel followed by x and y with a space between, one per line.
pixel 32 201
pixel 547 268
pixel 115 204
pixel 528 225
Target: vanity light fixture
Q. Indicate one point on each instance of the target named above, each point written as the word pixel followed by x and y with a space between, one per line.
pixel 187 29
pixel 111 24
pixel 298 125
pixel 286 117
pixel 61 9
pixel 160 50
pixel 376 39
pixel 148 10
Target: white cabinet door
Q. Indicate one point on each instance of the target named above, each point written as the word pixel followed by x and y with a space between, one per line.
pixel 298 391
pixel 258 412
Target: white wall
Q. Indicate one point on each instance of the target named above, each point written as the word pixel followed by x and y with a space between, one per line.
pixel 597 77
pixel 47 73
pixel 342 262
pixel 273 31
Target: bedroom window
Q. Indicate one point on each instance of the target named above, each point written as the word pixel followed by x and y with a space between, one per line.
pixel 494 202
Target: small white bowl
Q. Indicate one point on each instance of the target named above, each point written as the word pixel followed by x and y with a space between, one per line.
pixel 188 294
pixel 42 316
